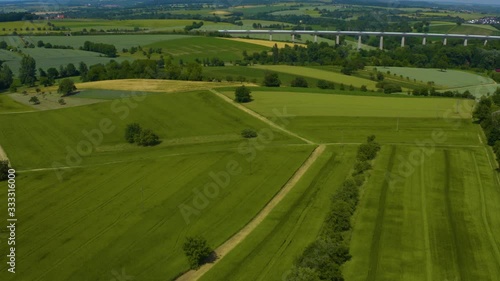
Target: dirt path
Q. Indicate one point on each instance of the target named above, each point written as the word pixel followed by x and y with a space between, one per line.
pixel 3 155
pixel 258 116
pixel 236 239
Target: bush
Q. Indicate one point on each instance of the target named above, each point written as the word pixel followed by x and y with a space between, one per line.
pixel 249 133
pixel 322 84
pixel 62 102
pixel 131 131
pixel 363 88
pixel 271 79
pixel 147 138
pixel 34 100
pixel 242 95
pixel 196 250
pixel 4 170
pixel 299 82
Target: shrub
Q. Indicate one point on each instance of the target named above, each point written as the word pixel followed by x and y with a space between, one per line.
pixel 249 133
pixel 131 131
pixel 34 100
pixel 4 170
pixel 299 82
pixel 271 79
pixel 322 84
pixel 147 138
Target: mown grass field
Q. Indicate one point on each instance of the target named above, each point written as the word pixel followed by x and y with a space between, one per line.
pixel 113 207
pixel 7 105
pixel 446 79
pixel 464 29
pixel 439 222
pixel 320 74
pixel 314 104
pixel 270 251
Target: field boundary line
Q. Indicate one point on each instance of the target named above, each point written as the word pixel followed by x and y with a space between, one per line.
pixel 238 237
pixel 378 228
pixel 428 262
pixel 258 116
pixel 484 215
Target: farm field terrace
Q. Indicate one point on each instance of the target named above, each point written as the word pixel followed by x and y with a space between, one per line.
pixel 332 118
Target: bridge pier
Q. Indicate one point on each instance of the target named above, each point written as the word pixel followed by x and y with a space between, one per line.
pixel 271 37
pixel 485 42
pixel 315 38
pixel 381 45
pixel 424 41
pixel 465 42
pixel 293 38
pixel 337 41
pixel 359 42
pixel 402 42
pixel 445 41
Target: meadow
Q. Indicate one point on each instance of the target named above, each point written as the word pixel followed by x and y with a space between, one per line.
pixel 435 220
pixel 270 251
pixel 200 134
pixel 448 79
pixel 8 105
pixel 476 29
pixel 320 74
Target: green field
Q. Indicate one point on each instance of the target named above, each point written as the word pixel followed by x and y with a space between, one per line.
pixel 314 104
pixel 7 105
pixel 206 47
pixel 438 223
pixel 320 74
pixel 269 252
pixel 200 135
pixel 464 29
pixel 447 79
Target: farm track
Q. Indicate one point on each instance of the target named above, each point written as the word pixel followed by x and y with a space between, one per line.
pixel 3 155
pixel 237 238
pixel 484 213
pixel 375 246
pixel 260 117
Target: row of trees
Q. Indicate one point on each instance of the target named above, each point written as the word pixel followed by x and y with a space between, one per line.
pixel 322 259
pixel 430 56
pixel 487 114
pixel 107 49
pixel 6 77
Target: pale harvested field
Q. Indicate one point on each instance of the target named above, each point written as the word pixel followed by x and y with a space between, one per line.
pixel 265 43
pixel 147 85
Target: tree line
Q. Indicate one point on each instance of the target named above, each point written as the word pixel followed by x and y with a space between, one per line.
pixel 430 56
pixel 487 114
pixel 322 259
pixel 107 49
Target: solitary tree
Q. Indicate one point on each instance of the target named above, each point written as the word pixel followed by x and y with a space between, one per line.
pixel 66 87
pixel 196 250
pixel 242 94
pixel 27 71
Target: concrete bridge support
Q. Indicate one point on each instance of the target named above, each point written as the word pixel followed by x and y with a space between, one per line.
pixel 315 38
pixel 485 42
pixel 402 42
pixel 293 38
pixel 271 37
pixel 424 41
pixel 465 42
pixel 359 42
pixel 445 41
pixel 381 45
pixel 337 40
